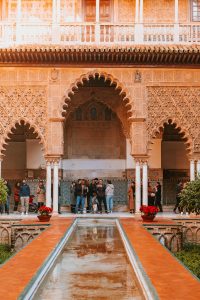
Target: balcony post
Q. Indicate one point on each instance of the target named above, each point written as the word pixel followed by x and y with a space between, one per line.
pixel 176 22
pixel 192 170
pixel 97 25
pixel 56 22
pixel 139 27
pixel 18 21
pixel 136 11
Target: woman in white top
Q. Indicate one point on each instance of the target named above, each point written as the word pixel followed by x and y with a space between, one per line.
pixel 109 196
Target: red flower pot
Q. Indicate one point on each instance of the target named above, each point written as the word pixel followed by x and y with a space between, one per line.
pixel 148 218
pixel 44 218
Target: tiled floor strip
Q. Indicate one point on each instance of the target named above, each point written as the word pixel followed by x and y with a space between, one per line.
pixel 170 279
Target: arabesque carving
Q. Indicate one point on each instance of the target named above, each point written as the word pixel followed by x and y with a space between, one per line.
pixel 22 103
pixel 179 104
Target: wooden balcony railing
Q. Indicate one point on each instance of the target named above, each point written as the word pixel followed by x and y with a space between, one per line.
pixel 91 33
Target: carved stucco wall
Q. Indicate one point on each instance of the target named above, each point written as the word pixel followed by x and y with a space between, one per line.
pixel 179 104
pixel 23 103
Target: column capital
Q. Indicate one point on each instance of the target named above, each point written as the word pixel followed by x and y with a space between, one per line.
pixel 52 159
pixel 142 159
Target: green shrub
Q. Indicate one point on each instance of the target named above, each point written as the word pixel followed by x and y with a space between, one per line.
pixel 190 257
pixel 190 197
pixel 3 191
pixel 5 253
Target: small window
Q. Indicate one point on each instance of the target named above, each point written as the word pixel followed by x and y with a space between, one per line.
pixel 108 114
pixel 195 7
pixel 93 114
pixel 78 114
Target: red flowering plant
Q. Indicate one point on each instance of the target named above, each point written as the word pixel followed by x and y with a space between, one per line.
pixel 45 210
pixel 149 210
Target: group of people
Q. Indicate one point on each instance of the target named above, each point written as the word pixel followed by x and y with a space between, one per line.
pixel 23 196
pixel 90 196
pixel 154 196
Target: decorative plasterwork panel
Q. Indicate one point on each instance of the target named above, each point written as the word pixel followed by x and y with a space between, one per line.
pixel 22 103
pixel 181 105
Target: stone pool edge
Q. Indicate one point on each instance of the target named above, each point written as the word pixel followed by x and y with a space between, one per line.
pixel 30 290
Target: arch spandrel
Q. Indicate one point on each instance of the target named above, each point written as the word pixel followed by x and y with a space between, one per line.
pixel 181 105
pixel 23 103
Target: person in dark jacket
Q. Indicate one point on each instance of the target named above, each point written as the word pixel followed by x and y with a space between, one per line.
pixel 101 195
pixel 158 196
pixel 92 191
pixel 179 189
pixel 24 194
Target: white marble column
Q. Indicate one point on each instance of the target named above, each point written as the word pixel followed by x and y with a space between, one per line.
pixel 137 187
pixel 176 11
pixel 141 11
pixel 55 187
pixel 18 21
pixel 192 170
pixel 176 24
pixel 48 184
pixel 136 11
pixel 97 25
pixel 145 183
pixel 198 168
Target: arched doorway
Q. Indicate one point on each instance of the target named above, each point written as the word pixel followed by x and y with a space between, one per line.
pixel 95 131
pixel 169 153
pixel 97 134
pixel 22 156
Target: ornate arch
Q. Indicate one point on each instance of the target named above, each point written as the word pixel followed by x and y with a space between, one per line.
pixel 23 103
pixel 123 91
pixel 179 104
pixel 8 131
pixel 187 139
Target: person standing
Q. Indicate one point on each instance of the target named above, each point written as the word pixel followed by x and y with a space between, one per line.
pixel 158 196
pixel 92 190
pixel 151 195
pixel 109 192
pixel 9 192
pixel 131 197
pixel 16 196
pixel 179 189
pixel 41 194
pixel 101 196
pixel 24 196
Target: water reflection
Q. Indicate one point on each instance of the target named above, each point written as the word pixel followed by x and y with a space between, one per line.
pixel 93 265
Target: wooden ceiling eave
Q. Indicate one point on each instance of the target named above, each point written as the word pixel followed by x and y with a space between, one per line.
pixel 108 56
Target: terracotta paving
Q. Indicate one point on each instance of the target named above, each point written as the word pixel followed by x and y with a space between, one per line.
pixel 170 279
pixel 19 270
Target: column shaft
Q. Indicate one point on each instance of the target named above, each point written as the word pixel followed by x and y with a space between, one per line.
pixel 97 10
pixel 48 184
pixel 136 11
pixel 141 11
pixel 198 168
pixel 137 187
pixel 145 184
pixel 176 11
pixel 55 187
pixel 192 170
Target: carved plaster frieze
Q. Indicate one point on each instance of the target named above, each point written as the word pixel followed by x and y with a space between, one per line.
pixel 179 104
pixel 23 103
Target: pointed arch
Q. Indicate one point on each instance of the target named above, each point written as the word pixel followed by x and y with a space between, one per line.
pixel 20 121
pixel 183 130
pixel 123 91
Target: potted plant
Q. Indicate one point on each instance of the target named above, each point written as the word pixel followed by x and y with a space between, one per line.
pixel 190 197
pixel 44 213
pixel 3 194
pixel 148 212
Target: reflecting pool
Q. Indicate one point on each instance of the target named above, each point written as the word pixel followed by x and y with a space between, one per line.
pixel 92 265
